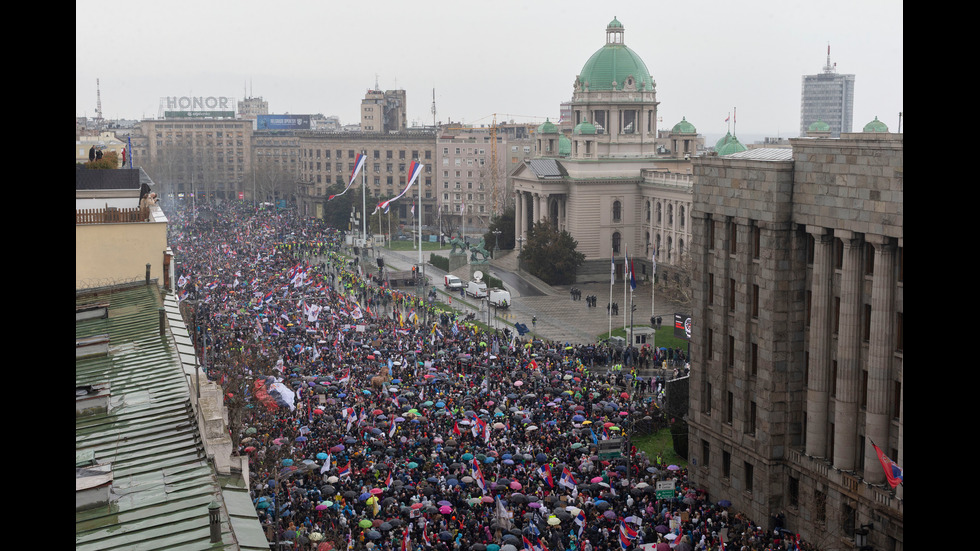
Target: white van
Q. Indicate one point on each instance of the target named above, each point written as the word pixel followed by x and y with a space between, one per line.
pixel 499 298
pixel 476 289
pixel 453 282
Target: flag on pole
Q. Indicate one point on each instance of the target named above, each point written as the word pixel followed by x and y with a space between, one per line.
pixel 631 534
pixel 478 475
pixel 545 472
pixel 406 544
pixel 654 260
pixel 580 520
pixel 358 165
pixel 629 269
pixel 414 169
pixel 892 471
pixel 566 479
pixel 344 471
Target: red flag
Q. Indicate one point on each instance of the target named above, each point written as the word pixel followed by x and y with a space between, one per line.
pixel 892 471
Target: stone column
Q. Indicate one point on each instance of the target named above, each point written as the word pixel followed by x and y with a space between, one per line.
pixel 821 307
pixel 880 353
pixel 518 214
pixel 848 355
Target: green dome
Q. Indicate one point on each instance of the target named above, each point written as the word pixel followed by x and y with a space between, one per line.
pixel 731 146
pixel 684 127
pixel 614 62
pixel 564 146
pixel 584 127
pixel 876 126
pixel 720 143
pixel 819 126
pixel 547 127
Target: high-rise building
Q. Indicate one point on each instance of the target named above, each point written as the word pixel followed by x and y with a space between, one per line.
pixel 798 336
pixel 384 111
pixel 827 97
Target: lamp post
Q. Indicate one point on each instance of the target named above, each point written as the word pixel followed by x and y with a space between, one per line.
pixel 496 241
pixel 520 249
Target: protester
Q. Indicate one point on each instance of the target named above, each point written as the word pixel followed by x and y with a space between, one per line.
pixel 372 418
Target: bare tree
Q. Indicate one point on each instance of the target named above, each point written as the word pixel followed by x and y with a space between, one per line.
pixel 674 282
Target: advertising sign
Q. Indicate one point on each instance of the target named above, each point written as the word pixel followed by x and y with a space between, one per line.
pixel 197 107
pixel 682 326
pixel 283 122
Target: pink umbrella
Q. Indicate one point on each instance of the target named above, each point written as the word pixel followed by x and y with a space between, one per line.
pixel 515 485
pixel 597 480
pixel 377 491
pixel 518 383
pixel 445 509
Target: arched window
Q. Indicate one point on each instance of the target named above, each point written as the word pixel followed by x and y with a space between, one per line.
pixel 660 209
pixel 670 214
pixel 648 210
pixel 682 216
pixel 615 242
pixel 617 212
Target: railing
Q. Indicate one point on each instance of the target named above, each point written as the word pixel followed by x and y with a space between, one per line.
pixel 112 215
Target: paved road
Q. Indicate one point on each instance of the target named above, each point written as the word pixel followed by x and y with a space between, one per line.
pixel 559 317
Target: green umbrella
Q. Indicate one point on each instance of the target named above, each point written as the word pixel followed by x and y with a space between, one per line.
pixel 413 465
pixel 365 523
pixel 251 430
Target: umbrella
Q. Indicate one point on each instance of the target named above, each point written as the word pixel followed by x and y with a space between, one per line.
pixel 374 535
pixel 554 521
pixel 724 503
pixel 364 523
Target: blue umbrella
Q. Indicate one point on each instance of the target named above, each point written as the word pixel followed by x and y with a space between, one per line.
pixel 321 456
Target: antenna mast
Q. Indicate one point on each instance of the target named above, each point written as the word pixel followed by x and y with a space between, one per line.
pixel 99 121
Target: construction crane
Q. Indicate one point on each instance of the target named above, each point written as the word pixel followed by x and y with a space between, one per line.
pixel 495 207
pixel 99 121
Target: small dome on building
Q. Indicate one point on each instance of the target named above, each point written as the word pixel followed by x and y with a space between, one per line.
pixel 818 126
pixel 876 126
pixel 564 146
pixel 732 145
pixel 614 23
pixel 547 127
pixel 723 140
pixel 584 127
pixel 684 127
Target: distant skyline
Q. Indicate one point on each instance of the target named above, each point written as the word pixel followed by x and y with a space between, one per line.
pixel 515 59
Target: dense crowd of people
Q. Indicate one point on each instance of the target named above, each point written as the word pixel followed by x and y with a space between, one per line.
pixel 374 419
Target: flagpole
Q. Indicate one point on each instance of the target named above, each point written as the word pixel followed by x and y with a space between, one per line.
pixel 653 299
pixel 612 278
pixel 364 213
pixel 626 283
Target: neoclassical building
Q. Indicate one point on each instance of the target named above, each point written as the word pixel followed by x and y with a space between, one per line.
pixel 614 183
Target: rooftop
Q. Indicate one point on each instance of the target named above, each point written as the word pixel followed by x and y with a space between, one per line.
pixel 143 446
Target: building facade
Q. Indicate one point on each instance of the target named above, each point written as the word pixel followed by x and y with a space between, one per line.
pixel 197 159
pixel 608 178
pixel 384 111
pixel 327 162
pixel 797 337
pixel 827 97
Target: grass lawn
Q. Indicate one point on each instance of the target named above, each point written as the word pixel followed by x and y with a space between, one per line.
pixel 665 336
pixel 411 246
pixel 659 444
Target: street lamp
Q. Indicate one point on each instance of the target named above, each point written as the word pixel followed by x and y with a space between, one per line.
pixel 496 241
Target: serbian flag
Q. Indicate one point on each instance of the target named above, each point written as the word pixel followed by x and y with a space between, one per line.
pixel 892 471
pixel 478 476
pixel 406 543
pixel 545 472
pixel 629 268
pixel 344 471
pixel 541 546
pixel 414 169
pixel 631 534
pixel 388 480
pixel 358 165
pixel 566 479
pixel 580 520
pixel 425 535
pixel 527 544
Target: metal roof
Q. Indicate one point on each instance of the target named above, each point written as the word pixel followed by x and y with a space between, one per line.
pixel 764 154
pixel 547 168
pixel 162 481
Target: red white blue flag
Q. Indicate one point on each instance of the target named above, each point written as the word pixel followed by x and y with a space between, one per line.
pixel 358 165
pixel 892 471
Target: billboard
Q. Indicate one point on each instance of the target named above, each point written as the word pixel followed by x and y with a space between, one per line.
pixel 682 326
pixel 197 107
pixel 283 122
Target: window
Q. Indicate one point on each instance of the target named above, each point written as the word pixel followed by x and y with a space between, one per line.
pixel 726 464
pixel 869 259
pixel 711 234
pixel 808 305
pixel 794 491
pixel 751 419
pixel 706 399
pixel 749 475
pixel 867 323
pixel 730 409
pixel 755 301
pixel 755 359
pixel 617 212
pixel 896 400
pixel 864 389
pixel 756 241
pixel 899 332
pixel 615 242
pixel 711 339
pixel 836 314
pixel 833 381
pixel 711 288
pixel 705 453
pixel 731 295
pixel 731 351
pixel 838 253
pixel 732 237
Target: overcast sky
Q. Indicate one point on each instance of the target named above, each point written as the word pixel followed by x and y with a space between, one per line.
pixel 514 58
